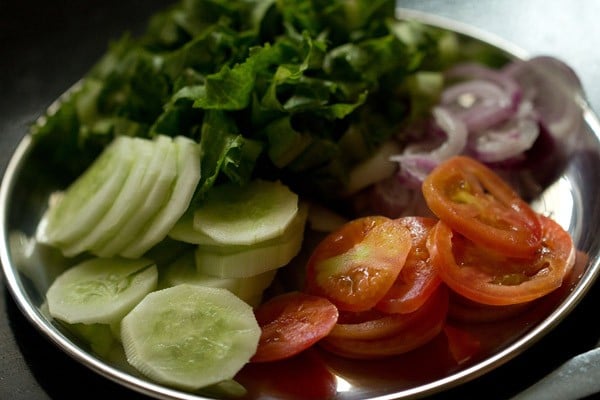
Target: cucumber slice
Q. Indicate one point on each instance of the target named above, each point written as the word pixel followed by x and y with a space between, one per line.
pixel 99 337
pixel 322 219
pixel 156 198
pixel 184 231
pixel 227 389
pixel 190 336
pixel 100 290
pixel 231 214
pixel 132 194
pixel 183 270
pixel 188 176
pixel 246 261
pixel 373 169
pixel 88 198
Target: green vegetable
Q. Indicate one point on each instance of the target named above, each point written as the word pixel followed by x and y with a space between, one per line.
pixel 183 270
pixel 107 209
pixel 234 215
pixel 143 173
pixel 158 195
pixel 268 88
pixel 188 175
pixel 100 290
pixel 88 199
pixel 243 261
pixel 190 336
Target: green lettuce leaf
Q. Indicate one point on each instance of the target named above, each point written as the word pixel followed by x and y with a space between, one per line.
pixel 297 90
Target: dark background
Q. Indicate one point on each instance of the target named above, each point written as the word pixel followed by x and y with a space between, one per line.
pixel 46 46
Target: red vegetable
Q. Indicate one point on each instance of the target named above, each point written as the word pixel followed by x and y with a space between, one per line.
pixel 486 276
pixel 356 265
pixel 291 323
pixel 474 201
pixel 419 328
pixel 418 279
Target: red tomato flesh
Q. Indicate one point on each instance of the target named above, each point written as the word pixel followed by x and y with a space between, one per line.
pixel 461 343
pixel 356 265
pixel 418 279
pixel 464 310
pixel 291 323
pixel 477 203
pixel 485 276
pixel 421 327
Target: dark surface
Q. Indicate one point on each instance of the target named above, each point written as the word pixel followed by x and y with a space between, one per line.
pixel 46 46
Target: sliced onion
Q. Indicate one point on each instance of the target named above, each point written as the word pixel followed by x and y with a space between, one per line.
pixel 506 142
pixel 513 118
pixel 478 71
pixel 496 96
pixel 479 103
pixel 553 87
pixel 416 161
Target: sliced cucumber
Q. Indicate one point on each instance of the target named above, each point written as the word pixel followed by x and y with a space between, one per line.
pixel 28 255
pixel 188 176
pixel 159 194
pixel 245 215
pixel 126 203
pixel 225 389
pixel 190 336
pixel 183 270
pixel 246 261
pixel 100 290
pixel 99 337
pixel 374 169
pixel 184 231
pixel 322 219
pixel 89 197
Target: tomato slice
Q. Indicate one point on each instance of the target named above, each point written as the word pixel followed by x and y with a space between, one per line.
pixel 464 310
pixel 356 265
pixel 462 344
pixel 291 323
pixel 478 204
pixel 304 376
pixel 418 279
pixel 371 324
pixel 488 277
pixel 419 328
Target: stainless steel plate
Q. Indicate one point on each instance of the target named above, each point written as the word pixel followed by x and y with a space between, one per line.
pixel 570 198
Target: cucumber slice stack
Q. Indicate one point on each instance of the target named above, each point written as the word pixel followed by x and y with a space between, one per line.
pixel 185 320
pixel 183 270
pixel 243 234
pixel 127 200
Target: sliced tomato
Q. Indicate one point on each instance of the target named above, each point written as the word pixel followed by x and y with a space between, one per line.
pixel 418 279
pixel 462 344
pixel 291 323
pixel 356 265
pixel 462 309
pixel 304 376
pixel 485 276
pixel 371 324
pixel 478 204
pixel 419 328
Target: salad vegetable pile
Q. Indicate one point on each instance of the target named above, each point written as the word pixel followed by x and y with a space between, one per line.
pixel 200 155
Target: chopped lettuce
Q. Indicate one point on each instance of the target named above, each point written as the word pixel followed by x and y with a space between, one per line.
pixel 268 87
